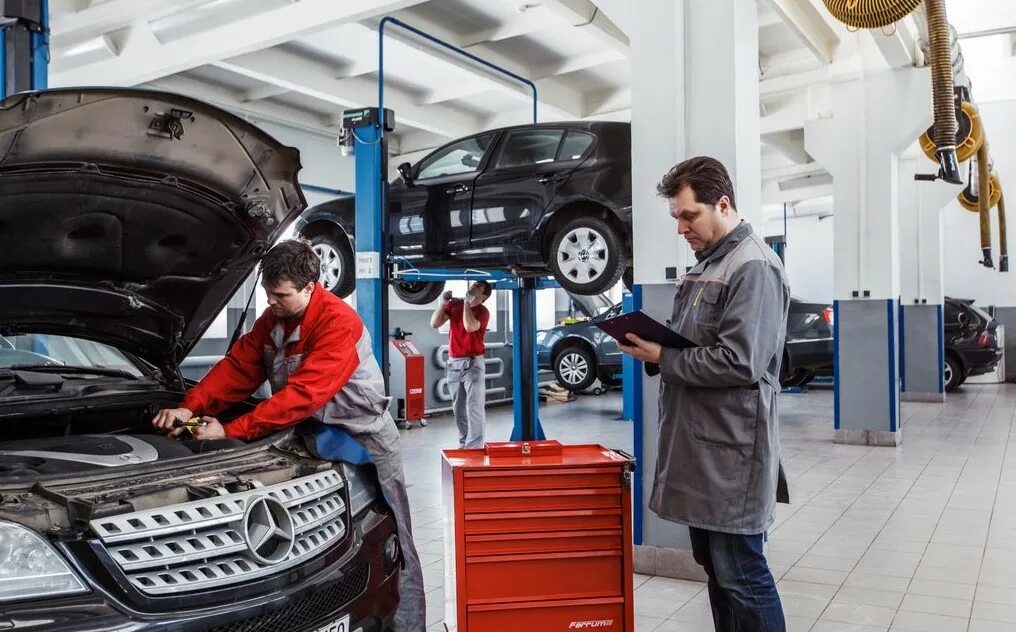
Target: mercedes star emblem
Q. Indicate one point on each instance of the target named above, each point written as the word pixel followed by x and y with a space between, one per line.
pixel 268 530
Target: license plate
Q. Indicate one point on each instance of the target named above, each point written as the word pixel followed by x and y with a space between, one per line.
pixel 342 625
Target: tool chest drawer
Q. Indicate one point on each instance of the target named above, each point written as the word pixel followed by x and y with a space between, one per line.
pixel 557 478
pixel 544 576
pixel 601 615
pixel 528 522
pixel 554 542
pixel 538 537
pixel 541 500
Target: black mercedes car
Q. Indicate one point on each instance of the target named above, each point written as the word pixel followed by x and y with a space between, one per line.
pixel 534 199
pixel 127 219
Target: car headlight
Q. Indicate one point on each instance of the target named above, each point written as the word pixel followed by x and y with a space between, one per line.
pixel 361 487
pixel 540 337
pixel 30 567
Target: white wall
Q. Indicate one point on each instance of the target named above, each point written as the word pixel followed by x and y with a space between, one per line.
pixel 809 256
pixel 964 277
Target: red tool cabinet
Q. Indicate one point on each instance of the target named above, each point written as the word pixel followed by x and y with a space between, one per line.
pixel 538 538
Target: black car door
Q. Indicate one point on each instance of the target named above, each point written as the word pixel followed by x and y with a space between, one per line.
pixel 520 183
pixel 429 218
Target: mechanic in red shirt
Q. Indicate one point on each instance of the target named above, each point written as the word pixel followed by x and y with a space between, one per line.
pixel 316 353
pixel 466 373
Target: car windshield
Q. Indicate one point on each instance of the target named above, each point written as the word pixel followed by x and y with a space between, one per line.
pixel 38 350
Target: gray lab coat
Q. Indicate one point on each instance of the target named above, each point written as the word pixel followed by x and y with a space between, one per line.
pixel 719 442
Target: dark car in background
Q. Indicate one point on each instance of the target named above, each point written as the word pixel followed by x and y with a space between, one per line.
pixel 139 214
pixel 552 198
pixel 579 352
pixel 971 342
pixel 808 351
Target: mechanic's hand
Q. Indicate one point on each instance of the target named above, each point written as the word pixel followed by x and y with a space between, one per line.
pixel 163 421
pixel 641 349
pixel 211 430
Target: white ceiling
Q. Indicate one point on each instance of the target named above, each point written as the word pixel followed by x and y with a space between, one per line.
pixel 301 62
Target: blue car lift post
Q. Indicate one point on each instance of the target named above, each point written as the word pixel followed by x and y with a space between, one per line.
pixel 374 272
pixel 24 57
pixel 24 45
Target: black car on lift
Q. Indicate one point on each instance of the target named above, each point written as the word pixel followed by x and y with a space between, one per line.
pixel 971 342
pixel 127 220
pixel 534 199
pixel 579 352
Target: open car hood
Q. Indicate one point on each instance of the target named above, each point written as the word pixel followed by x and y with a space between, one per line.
pixel 131 216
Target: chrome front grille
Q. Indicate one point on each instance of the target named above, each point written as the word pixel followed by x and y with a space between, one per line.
pixel 218 541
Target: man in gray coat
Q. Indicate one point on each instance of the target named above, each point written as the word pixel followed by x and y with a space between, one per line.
pixel 718 467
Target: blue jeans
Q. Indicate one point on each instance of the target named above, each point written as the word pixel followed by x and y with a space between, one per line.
pixel 742 591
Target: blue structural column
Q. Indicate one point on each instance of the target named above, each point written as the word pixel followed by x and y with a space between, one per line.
pixel 24 46
pixel 628 389
pixel 922 339
pixel 524 369
pixel 369 149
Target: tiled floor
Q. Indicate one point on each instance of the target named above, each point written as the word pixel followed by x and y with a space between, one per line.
pixel 920 538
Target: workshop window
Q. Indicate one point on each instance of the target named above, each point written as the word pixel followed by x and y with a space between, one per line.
pixel 462 157
pixel 530 147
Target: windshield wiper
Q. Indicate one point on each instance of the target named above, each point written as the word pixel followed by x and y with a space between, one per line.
pixel 86 370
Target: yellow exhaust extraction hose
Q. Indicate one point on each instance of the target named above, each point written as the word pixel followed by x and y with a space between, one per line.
pixel 984 204
pixel 870 14
pixel 1003 242
pixel 876 14
pixel 942 89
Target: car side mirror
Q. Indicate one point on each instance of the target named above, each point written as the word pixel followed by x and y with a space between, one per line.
pixel 406 171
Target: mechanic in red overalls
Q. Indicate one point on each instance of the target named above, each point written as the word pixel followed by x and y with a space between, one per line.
pixel 316 353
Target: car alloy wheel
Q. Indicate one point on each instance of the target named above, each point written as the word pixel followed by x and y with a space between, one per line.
pixel 583 254
pixel 331 265
pixel 573 368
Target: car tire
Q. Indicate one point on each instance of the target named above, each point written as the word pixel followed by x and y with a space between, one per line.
pixel 338 272
pixel 953 374
pixel 575 251
pixel 575 368
pixel 418 292
pixel 628 278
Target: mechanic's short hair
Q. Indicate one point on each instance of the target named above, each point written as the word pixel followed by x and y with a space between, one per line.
pixel 705 176
pixel 291 260
pixel 487 289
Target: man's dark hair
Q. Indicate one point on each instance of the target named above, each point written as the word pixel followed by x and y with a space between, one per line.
pixel 705 176
pixel 487 289
pixel 291 260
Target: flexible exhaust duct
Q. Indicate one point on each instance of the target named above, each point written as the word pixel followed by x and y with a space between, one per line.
pixel 1003 242
pixel 942 88
pixel 983 203
pixel 870 14
pixel 877 14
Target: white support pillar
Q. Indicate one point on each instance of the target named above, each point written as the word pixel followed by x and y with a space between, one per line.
pixel 693 93
pixel 875 118
pixel 921 275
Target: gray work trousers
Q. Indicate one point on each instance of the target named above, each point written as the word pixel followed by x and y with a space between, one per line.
pixel 467 381
pixel 385 451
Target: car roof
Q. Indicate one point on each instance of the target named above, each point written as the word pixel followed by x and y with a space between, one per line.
pixel 585 125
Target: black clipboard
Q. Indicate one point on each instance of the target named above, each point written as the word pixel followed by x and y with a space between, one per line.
pixel 647 328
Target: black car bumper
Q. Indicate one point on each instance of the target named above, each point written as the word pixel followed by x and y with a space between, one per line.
pixel 980 361
pixel 361 584
pixel 814 356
